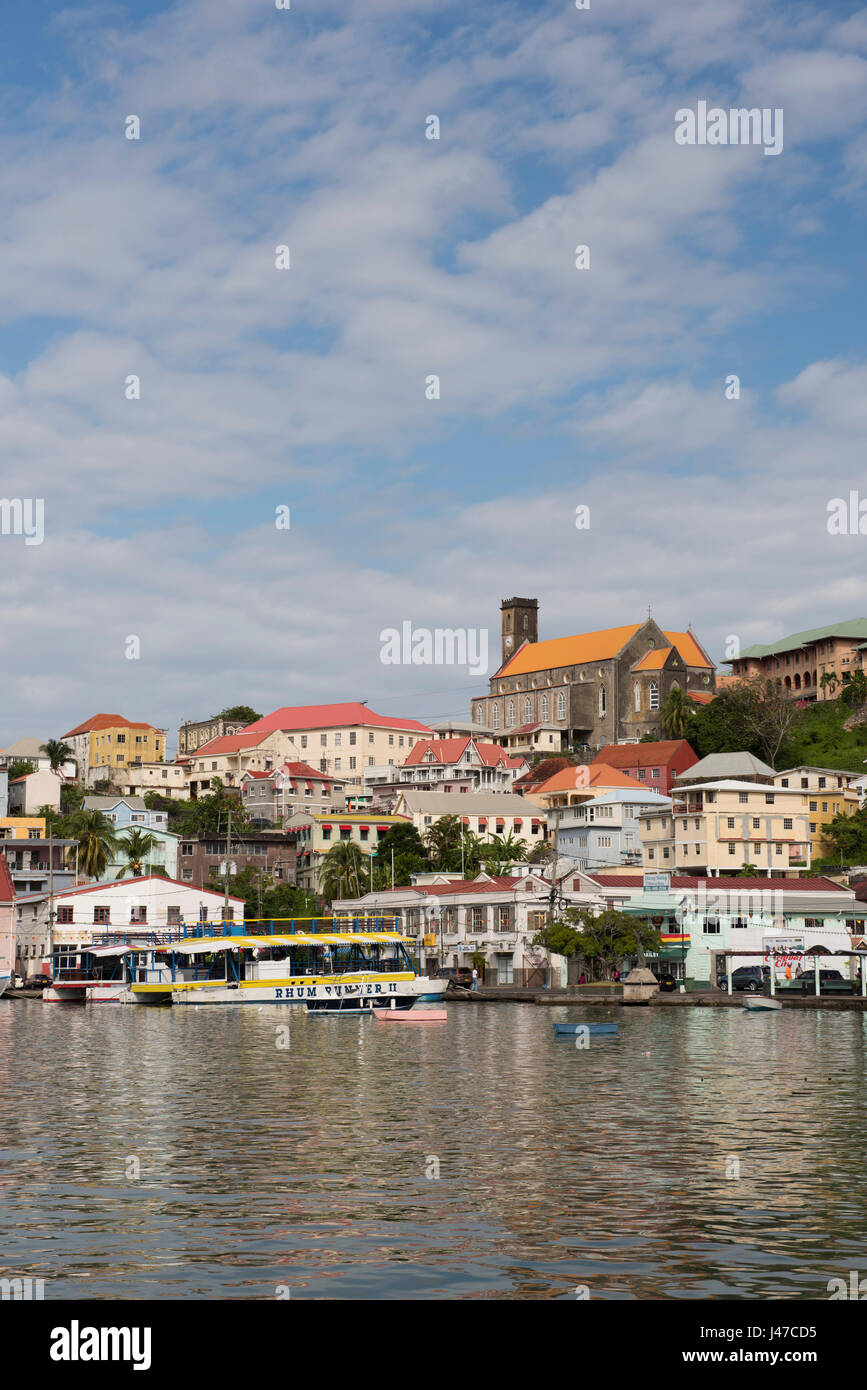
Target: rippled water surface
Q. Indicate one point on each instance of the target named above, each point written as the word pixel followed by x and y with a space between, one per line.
pixel 306 1166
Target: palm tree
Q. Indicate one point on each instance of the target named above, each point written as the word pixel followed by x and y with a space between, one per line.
pixel 57 752
pixel 442 841
pixel 855 690
pixel 500 851
pixel 342 870
pixel 675 711
pixel 135 846
pixel 829 678
pixel 97 842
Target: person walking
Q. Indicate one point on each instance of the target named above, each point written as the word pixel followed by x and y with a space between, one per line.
pixel 475 978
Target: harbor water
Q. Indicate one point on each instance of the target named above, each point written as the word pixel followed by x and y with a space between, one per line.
pixel 246 1153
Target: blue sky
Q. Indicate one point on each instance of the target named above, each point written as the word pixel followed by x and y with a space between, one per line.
pixel 412 257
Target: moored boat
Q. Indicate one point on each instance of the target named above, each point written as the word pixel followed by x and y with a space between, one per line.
pixel 570 1029
pixel 761 1003
pixel 416 1015
pixel 5 977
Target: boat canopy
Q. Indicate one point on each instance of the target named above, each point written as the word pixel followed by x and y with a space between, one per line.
pixel 205 945
pixel 105 950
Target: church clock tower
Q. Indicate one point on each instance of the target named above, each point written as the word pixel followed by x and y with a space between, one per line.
pixel 520 623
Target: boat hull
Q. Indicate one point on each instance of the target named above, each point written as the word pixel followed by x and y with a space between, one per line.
pixel 759 1006
pixel 569 1030
pixel 411 1015
pixel 287 991
pixel 4 983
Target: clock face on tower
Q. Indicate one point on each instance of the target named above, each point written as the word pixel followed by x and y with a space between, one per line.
pixel 508 642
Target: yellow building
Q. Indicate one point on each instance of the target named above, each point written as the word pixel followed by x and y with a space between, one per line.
pixel 831 793
pixel 720 827
pixel 22 827
pixel 316 834
pixel 108 742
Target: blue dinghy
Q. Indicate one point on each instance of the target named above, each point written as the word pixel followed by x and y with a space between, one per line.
pixel 570 1029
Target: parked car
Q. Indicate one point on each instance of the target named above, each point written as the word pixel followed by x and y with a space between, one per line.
pixel 830 982
pixel 667 982
pixel 749 977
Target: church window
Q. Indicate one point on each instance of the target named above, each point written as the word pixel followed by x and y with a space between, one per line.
pixel 561 704
pixel 480 714
pixel 528 711
pixel 602 699
pixel 637 697
pixel 495 716
pixel 511 718
pixel 654 695
pixel 544 707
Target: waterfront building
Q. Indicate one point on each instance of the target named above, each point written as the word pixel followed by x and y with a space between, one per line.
pixel 798 663
pixel 486 814
pixel 125 811
pixel 656 764
pixel 270 852
pixel 29 750
pixel 28 794
pixel 8 925
pixel 272 797
pixel 194 733
pixel 135 908
pixel 722 827
pixel 314 835
pixel 831 793
pixel 106 744
pixel 596 688
pixel 702 917
pixel 494 916
pixel 604 831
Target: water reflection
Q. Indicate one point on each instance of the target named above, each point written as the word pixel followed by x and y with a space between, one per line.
pixel 261 1166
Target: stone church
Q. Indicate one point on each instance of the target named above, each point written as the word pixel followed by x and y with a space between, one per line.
pixel 596 687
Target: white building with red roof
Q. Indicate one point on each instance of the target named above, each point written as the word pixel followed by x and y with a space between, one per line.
pixel 136 909
pixel 451 765
pixel 340 740
pixel 493 915
pixel 271 797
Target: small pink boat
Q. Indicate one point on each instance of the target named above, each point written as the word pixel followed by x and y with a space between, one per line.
pixel 415 1015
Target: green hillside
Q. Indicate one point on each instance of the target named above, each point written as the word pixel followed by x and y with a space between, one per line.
pixel 817 736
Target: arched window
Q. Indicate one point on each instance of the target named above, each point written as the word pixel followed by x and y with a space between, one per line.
pixel 480 714
pixel 601 700
pixel 528 711
pixel 561 704
pixel 544 708
pixel 653 702
pixel 637 697
pixel 495 716
pixel 511 719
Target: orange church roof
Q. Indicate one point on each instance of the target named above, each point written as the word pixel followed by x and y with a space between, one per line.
pixel 654 660
pixel 594 646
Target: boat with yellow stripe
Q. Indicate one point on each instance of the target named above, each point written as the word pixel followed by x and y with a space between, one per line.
pixel 313 961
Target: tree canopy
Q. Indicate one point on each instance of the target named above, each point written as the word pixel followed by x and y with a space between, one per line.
pixel 245 712
pixel 606 938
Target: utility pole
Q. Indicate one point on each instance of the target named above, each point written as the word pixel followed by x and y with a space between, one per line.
pixel 50 889
pixel 553 893
pixel 228 866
